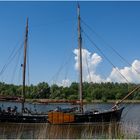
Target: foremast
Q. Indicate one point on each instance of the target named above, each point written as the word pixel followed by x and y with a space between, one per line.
pixel 80 60
pixel 24 65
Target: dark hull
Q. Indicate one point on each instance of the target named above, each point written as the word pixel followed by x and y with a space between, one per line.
pixel 19 118
pixel 108 116
pixel 59 117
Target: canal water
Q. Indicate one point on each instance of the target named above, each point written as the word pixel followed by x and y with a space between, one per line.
pixel 129 127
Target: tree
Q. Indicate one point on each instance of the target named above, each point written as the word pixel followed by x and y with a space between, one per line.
pixel 43 90
pixel 55 92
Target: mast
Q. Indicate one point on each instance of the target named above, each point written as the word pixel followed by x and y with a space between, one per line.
pixel 80 59
pixel 24 64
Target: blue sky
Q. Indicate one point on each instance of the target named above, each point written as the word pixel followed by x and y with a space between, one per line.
pixel 53 36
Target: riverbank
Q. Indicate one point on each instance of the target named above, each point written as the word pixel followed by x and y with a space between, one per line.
pixel 46 101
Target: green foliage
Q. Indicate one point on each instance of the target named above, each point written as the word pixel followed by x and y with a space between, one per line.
pixel 91 91
pixel 43 90
pixel 104 99
pixel 89 100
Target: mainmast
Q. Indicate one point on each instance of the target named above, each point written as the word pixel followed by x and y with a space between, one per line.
pixel 24 64
pixel 80 59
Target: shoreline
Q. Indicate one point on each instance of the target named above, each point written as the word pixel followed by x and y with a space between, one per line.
pixel 47 101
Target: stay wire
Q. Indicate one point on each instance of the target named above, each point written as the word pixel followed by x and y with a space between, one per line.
pixel 104 55
pixel 10 59
pixel 91 29
pixel 66 60
pixel 67 67
pixel 88 70
pixel 16 65
pixel 131 104
pixel 19 73
pixel 61 68
pixel 117 54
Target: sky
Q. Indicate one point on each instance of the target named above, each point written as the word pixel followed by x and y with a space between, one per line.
pixel 53 41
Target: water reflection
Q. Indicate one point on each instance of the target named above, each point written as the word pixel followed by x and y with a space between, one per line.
pixel 129 128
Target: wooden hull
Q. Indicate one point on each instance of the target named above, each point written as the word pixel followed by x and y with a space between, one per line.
pixel 67 118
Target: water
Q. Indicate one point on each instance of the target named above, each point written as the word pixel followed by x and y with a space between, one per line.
pixel 129 127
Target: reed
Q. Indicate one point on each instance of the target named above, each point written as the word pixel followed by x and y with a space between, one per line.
pixel 123 130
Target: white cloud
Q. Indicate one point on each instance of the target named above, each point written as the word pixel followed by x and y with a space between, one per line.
pixel 88 59
pixel 91 62
pixel 65 83
pixel 92 77
pixel 132 73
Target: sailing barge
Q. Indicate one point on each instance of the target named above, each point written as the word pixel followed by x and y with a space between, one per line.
pixel 62 116
pixel 25 116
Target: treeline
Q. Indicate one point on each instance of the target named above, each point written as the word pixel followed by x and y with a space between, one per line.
pixel 91 91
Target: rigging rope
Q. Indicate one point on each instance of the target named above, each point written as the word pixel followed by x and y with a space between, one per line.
pixel 67 70
pixel 119 102
pixel 105 56
pixel 11 57
pixel 16 64
pixel 128 95
pixel 88 70
pixel 116 52
pixel 115 68
pixel 19 74
pixel 91 29
pixel 61 67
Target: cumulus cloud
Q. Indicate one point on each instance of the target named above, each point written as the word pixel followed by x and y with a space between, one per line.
pixel 92 60
pixel 90 63
pixel 132 73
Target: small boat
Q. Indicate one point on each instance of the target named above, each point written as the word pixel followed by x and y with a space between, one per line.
pixel 25 116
